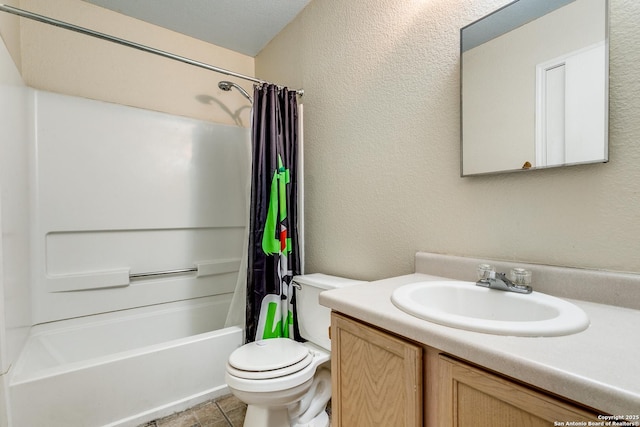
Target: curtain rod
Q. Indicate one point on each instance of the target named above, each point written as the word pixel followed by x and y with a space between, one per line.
pixel 67 26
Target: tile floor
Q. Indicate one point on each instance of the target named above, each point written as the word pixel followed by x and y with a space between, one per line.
pixel 225 411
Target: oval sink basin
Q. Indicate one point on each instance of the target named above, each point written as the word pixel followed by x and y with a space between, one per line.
pixel 464 305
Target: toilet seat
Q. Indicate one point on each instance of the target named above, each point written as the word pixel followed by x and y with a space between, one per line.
pixel 238 380
pixel 270 358
pixel 275 373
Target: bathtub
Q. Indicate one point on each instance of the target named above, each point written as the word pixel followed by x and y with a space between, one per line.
pixel 123 368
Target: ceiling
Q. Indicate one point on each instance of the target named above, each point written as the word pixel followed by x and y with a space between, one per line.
pixel 244 26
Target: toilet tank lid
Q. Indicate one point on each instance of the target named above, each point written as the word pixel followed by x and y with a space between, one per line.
pixel 325 281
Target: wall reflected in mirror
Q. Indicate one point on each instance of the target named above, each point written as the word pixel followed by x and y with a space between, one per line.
pixel 534 82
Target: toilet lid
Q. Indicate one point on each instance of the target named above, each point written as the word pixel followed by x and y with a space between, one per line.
pixel 268 355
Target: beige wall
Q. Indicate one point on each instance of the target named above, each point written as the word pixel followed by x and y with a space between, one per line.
pixel 65 62
pixel 381 82
pixel 10 32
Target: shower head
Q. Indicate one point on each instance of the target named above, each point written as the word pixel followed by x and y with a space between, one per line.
pixel 226 86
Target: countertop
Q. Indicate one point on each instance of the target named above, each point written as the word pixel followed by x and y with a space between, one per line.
pixel 599 367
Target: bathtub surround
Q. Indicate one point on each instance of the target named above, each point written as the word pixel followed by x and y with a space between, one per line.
pixel 15 294
pixel 124 191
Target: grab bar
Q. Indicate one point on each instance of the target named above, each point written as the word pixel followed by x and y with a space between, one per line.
pixel 71 282
pixel 163 273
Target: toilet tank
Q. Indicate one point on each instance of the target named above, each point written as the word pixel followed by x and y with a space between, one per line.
pixel 313 319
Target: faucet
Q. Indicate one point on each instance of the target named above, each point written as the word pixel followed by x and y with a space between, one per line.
pixel 499 281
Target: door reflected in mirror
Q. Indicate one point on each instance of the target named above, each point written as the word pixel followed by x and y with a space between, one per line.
pixel 534 82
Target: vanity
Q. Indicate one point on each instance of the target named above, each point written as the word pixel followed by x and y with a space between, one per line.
pixel 391 368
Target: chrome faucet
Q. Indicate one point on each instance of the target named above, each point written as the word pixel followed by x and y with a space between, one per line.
pixel 499 281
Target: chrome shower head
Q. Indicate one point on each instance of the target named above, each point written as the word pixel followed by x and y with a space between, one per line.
pixel 226 86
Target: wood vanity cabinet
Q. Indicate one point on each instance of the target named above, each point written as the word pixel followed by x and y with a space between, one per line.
pixel 376 377
pixel 382 380
pixel 475 397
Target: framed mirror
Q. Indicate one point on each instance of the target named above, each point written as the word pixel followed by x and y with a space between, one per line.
pixel 534 87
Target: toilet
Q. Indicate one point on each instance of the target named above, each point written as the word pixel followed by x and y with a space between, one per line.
pixel 286 383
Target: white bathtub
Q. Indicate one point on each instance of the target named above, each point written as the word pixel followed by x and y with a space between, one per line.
pixel 123 368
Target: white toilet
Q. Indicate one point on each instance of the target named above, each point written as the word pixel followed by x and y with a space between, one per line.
pixel 283 382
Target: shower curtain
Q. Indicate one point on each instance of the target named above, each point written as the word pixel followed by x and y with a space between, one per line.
pixel 273 251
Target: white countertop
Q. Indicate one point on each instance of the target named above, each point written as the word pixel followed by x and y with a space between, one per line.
pixel 599 367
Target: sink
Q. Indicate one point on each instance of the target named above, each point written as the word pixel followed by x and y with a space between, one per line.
pixel 464 305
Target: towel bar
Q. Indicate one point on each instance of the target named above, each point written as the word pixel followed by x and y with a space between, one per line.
pixel 122 277
pixel 163 273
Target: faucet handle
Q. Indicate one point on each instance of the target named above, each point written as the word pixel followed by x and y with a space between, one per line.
pixel 486 271
pixel 520 276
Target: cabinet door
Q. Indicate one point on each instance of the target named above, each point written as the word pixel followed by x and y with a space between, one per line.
pixel 377 377
pixel 472 397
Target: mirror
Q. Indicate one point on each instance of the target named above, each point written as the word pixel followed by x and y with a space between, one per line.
pixel 534 87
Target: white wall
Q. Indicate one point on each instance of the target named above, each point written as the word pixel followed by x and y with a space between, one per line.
pixel 382 147
pixel 15 306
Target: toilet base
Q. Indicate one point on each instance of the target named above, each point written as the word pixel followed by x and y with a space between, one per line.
pixel 279 417
pixel 270 409
pixel 310 411
pixel 299 407
pixel 266 416
pixel 321 420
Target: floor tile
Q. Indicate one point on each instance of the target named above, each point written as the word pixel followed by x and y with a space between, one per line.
pixel 182 419
pixel 230 403
pixel 226 411
pixel 236 416
pixel 233 408
pixel 209 414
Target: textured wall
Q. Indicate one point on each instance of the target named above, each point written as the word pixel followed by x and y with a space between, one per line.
pixel 382 115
